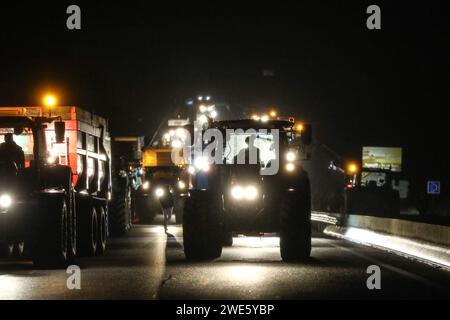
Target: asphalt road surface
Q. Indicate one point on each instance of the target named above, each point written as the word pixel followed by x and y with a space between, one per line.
pixel 150 265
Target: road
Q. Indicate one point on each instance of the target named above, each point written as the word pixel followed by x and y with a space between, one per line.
pixel 149 265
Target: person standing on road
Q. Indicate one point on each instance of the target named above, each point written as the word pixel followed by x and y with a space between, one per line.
pixel 167 206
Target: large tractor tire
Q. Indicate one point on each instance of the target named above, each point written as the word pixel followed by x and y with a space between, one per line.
pixel 119 215
pixel 102 233
pixel 52 244
pixel 88 229
pixel 201 228
pixel 295 226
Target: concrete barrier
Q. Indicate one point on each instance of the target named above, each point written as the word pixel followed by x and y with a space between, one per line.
pixel 427 242
pixel 435 234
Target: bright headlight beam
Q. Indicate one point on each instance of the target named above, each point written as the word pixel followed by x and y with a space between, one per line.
pixel 159 192
pixel 237 192
pixel 250 193
pixel 181 185
pixel 247 193
pixel 290 167
pixel 290 156
pixel 5 201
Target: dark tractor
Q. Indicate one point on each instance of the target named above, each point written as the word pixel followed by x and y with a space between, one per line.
pixel 54 200
pixel 254 197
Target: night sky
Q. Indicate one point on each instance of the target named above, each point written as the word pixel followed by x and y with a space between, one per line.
pixel 135 61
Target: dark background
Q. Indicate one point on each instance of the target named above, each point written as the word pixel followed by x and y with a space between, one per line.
pixel 135 61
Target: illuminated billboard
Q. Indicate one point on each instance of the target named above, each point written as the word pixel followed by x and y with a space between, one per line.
pixel 382 158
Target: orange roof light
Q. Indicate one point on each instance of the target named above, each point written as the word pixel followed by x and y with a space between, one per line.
pixel 352 168
pixel 49 101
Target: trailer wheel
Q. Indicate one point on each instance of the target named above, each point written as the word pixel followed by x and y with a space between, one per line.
pixel 6 250
pixel 51 247
pixel 119 216
pixel 201 228
pixel 87 230
pixel 102 230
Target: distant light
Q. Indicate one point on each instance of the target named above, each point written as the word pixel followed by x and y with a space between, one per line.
pixel 255 117
pixel 200 98
pixel 299 127
pixel 181 133
pixel 273 114
pixel 181 185
pixel 208 98
pixel 191 170
pixel 177 144
pixel 202 108
pixel 265 118
pixel 213 114
pixel 146 185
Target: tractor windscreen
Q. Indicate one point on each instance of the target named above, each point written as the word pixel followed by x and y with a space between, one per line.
pixel 238 143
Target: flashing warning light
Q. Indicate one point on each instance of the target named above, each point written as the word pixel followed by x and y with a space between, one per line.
pixel 352 168
pixel 49 101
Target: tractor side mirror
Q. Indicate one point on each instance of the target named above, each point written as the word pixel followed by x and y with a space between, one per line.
pixel 306 134
pixel 60 131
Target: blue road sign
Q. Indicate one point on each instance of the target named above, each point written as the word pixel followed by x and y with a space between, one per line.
pixel 434 187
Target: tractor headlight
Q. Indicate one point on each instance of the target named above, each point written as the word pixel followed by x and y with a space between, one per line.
pixel 290 156
pixel 191 170
pixel 290 167
pixel 181 185
pixel 159 192
pixel 51 160
pixel 5 201
pixel 248 193
pixel 237 192
pixel 146 185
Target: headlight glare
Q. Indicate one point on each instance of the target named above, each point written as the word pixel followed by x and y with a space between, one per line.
pixel 5 201
pixel 159 192
pixel 237 192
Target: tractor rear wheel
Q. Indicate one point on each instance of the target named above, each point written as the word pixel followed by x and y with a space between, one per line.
pixel 52 245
